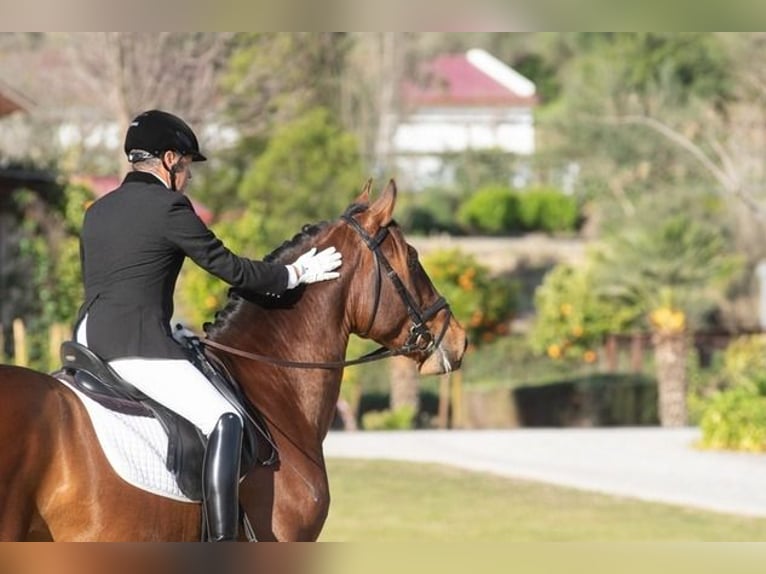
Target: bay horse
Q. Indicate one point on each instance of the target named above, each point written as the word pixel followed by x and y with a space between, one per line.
pixel 56 484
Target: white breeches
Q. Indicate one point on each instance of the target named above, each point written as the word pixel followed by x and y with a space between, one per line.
pixel 174 383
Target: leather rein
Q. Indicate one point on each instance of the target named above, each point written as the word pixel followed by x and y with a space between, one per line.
pixel 420 338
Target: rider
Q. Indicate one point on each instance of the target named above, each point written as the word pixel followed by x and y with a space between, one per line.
pixel 133 243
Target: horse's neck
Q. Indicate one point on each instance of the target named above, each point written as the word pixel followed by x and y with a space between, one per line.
pixel 313 330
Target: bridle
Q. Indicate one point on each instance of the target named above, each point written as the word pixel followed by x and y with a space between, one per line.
pixel 420 338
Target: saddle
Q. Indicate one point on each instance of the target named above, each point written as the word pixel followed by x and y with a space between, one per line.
pixel 92 376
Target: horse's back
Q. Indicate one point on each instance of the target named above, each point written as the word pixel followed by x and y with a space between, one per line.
pixel 31 403
pixel 21 383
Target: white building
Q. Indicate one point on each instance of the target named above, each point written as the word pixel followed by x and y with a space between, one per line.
pixel 470 101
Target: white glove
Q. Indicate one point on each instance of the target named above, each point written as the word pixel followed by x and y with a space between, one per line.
pixel 312 267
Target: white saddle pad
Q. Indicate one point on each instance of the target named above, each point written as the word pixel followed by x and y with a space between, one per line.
pixel 136 447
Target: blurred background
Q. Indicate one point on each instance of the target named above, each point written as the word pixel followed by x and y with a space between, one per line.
pixel 591 204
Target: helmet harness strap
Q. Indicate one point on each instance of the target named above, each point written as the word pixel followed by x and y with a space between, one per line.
pixel 172 170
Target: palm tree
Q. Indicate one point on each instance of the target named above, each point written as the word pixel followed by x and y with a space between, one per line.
pixel 669 272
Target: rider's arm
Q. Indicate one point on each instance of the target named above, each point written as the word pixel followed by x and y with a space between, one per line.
pixel 188 232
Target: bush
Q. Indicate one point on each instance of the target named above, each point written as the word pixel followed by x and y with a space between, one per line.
pixel 483 304
pixel 571 320
pixel 428 212
pixel 744 364
pixel 546 209
pixel 46 255
pixel 499 210
pixel 735 419
pixel 493 210
pixel 400 419
pixel 372 401
pixel 705 380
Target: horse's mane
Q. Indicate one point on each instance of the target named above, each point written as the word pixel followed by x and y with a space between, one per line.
pixel 287 252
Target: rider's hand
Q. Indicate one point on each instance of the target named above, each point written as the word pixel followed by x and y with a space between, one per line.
pixel 312 267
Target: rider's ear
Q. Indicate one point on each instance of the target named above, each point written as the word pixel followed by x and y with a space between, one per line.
pixel 383 208
pixel 364 197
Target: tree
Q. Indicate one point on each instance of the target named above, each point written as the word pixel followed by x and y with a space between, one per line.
pixel 88 86
pixel 571 319
pixel 647 116
pixel 48 247
pixel 670 271
pixel 483 304
pixel 273 78
pixel 615 79
pixel 666 276
pixel 129 72
pixel 309 171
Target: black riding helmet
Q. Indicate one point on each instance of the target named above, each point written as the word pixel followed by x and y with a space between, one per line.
pixel 156 132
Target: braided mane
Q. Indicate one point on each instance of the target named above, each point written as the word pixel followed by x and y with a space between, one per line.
pixel 285 253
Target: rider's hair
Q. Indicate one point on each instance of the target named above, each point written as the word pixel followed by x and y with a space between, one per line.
pixel 148 164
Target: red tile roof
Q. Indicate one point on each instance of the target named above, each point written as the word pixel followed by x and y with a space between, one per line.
pixel 7 106
pixel 452 80
pixel 11 101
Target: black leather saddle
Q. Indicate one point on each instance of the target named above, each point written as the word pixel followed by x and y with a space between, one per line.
pixel 92 376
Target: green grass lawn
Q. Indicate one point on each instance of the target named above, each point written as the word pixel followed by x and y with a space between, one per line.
pixel 399 501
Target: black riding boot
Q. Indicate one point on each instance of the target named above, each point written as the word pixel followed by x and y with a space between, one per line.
pixel 220 478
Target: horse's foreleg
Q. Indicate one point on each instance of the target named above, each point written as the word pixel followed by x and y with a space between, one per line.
pixel 286 504
pixel 16 511
pixel 25 448
pixel 256 495
pixel 19 476
pixel 19 518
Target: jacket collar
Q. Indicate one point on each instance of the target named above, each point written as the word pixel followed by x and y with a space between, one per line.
pixel 143 177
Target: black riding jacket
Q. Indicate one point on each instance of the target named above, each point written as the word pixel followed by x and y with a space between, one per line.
pixel 133 243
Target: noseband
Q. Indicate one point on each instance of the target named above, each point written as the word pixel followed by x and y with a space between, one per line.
pixel 420 338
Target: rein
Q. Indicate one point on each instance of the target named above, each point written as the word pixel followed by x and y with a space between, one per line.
pixel 376 355
pixel 420 338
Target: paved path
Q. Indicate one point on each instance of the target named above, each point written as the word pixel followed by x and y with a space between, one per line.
pixel 647 463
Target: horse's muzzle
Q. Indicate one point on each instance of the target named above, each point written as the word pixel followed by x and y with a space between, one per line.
pixel 448 355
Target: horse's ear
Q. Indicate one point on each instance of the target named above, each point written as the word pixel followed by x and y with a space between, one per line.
pixel 383 208
pixel 364 197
